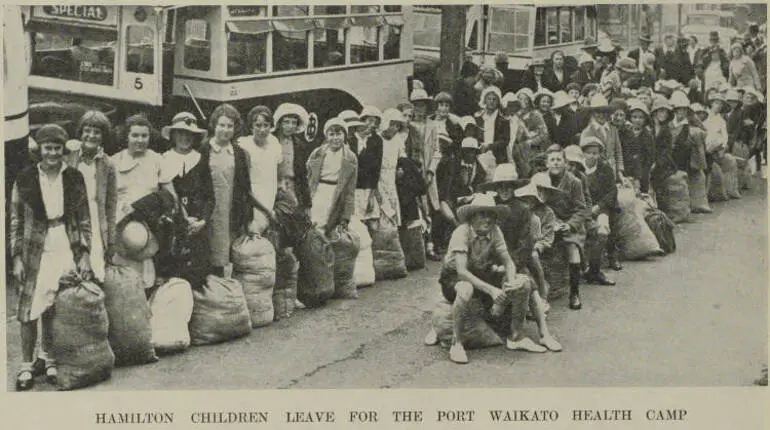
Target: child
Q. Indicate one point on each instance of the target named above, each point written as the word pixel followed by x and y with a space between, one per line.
pixel 638 146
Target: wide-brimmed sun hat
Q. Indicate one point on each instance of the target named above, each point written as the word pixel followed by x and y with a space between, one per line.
pixel 679 100
pixel 370 111
pixel 392 115
pixel 350 118
pixel 539 185
pixel 574 154
pixel 599 103
pixel 481 203
pixel 561 99
pixel 184 121
pixel 590 142
pixel 419 94
pixel 505 175
pixel 292 109
pixel 135 241
pixel 489 90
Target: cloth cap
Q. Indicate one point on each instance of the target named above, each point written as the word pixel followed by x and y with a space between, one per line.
pixel 292 109
pixel 183 121
pixel 481 203
pixel 51 133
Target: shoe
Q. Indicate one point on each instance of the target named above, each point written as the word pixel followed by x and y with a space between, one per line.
pixel 24 380
pixel 457 353
pixel 524 344
pixel 546 307
pixel 52 373
pixel 598 279
pixel 431 338
pixel 551 343
pixel 299 305
pixel 574 302
pixel 38 367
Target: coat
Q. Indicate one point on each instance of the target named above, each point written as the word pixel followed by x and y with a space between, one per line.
pixel 501 136
pixel 570 207
pixel 369 161
pixel 602 189
pixel 344 199
pixel 566 130
pixel 613 150
pixel 638 155
pixel 241 212
pixel 553 83
pixel 302 150
pixel 29 226
pixel 106 198
pixel 689 147
pixel 517 233
pixel 450 183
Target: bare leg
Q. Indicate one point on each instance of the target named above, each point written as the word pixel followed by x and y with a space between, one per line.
pixel 459 308
pixel 537 271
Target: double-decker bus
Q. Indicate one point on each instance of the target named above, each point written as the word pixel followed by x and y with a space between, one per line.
pixel 160 60
pixel 524 32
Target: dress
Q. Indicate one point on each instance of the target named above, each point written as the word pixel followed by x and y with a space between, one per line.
pixel 97 246
pixel 222 164
pixel 136 178
pixel 392 150
pixel 263 168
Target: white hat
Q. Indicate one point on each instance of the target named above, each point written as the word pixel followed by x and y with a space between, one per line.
pixel 490 89
pixel 543 180
pixel 505 174
pixel 183 121
pixel 561 99
pixel 527 92
pixel 508 98
pixel 470 143
pixel 335 121
pixel 292 109
pixel 575 154
pixel 598 101
pixel 538 184
pixel 370 111
pixel 753 91
pixel 419 94
pixel 351 118
pixel 606 46
pixel 481 203
pixel 586 58
pixel 391 115
pixel 636 104
pixel 589 141
pixel 679 100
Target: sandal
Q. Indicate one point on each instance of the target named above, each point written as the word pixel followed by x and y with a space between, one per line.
pixel 25 380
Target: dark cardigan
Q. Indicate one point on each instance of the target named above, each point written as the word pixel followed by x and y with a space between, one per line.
pixel 369 161
pixel 601 186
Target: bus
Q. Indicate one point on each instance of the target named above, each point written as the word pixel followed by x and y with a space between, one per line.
pixel 165 59
pixel 526 33
pixel 701 23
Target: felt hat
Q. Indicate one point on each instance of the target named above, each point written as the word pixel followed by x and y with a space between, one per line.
pixel 679 100
pixel 574 154
pixel 350 118
pixel 606 46
pixel 505 174
pixel 697 107
pixel 391 115
pixel 481 203
pixel 51 133
pixel 732 95
pixel 539 186
pixel 599 102
pixel 527 92
pixel 626 64
pixel 714 36
pixel 636 104
pixel 292 109
pixel 490 89
pixel 135 240
pixel 183 121
pixel 543 92
pixel 419 94
pixel 443 97
pixel 716 95
pixel 645 38
pixel 589 142
pixel 336 121
pixel 660 103
pixel 370 111
pixel 561 99
pixel 470 143
pixel 586 58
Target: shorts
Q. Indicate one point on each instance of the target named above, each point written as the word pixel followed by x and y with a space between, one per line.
pixel 449 279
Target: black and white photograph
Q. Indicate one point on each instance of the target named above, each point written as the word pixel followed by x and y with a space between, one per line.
pixel 268 196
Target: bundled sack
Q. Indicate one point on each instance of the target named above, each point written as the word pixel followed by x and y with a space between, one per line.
pixel 662 227
pixel 219 312
pixel 129 312
pixel 556 271
pixel 345 244
pixel 745 171
pixel 80 334
pixel 389 261
pixel 476 332
pixel 253 258
pixel 729 167
pixel 696 184
pixel 634 238
pixel 717 190
pixel 674 197
pixel 285 290
pixel 413 244
pixel 363 274
pixel 315 283
pixel 171 305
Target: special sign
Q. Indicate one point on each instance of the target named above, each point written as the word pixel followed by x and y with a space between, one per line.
pixel 93 13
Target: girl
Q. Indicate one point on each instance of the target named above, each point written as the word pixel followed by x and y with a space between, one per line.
pixel 367 145
pixel 638 149
pixel 233 199
pixel 332 175
pixel 543 102
pixel 50 234
pixel 393 122
pixel 536 131
pixel 556 77
pixel 743 71
pixel 661 131
pixel 495 131
pixel 265 156
pixel 100 179
pixel 291 122
pixel 192 182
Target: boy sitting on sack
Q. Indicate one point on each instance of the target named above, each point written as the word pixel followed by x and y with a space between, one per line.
pixel 471 274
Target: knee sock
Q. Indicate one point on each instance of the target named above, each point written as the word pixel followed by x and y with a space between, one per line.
pixel 574 278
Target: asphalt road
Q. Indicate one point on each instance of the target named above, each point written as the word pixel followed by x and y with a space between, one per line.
pixel 694 318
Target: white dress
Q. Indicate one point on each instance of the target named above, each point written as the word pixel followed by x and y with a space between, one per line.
pixel 97 246
pixel 392 150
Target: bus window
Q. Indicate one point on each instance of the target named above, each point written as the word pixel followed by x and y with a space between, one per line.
pixel 393 8
pixel 509 30
pixel 427 29
pixel 552 26
pixel 290 46
pixel 140 53
pixel 364 47
pixel 329 47
pixel 565 24
pixel 473 40
pixel 540 27
pixel 291 11
pixel 73 53
pixel 392 32
pixel 580 24
pixel 364 9
pixel 197 45
pixel 328 10
pixel 247 53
